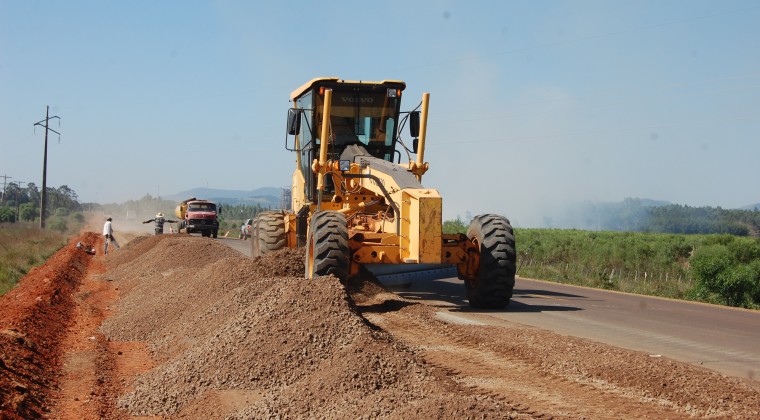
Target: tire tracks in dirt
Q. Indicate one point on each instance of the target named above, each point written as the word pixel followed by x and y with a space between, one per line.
pixel 95 370
pixel 493 362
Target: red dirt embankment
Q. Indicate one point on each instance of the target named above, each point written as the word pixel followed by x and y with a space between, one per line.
pixel 33 323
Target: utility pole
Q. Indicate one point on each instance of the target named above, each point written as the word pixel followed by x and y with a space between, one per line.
pixel 18 206
pixel 5 184
pixel 43 199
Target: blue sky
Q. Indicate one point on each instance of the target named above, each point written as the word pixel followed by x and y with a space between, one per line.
pixel 534 104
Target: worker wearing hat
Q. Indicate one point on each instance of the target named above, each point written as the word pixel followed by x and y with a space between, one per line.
pixel 159 221
pixel 108 233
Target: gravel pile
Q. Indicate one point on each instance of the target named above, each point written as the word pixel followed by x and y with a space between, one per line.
pixel 256 334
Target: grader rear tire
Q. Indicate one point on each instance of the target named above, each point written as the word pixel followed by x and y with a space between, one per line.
pixel 327 249
pixel 495 280
pixel 269 233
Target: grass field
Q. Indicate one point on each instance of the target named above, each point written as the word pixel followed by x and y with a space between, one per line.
pixel 22 247
pixel 646 263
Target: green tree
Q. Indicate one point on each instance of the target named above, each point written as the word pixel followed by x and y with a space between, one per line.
pixel 58 224
pixel 454 226
pixel 7 214
pixel 28 212
pixel 33 194
pixel 717 270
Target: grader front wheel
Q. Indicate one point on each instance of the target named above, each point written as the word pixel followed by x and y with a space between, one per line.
pixel 492 288
pixel 327 249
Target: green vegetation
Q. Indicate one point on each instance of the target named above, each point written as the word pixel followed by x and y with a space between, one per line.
pixel 653 264
pixel 722 269
pixel 22 204
pixel 24 246
pixel 235 215
pixel 727 270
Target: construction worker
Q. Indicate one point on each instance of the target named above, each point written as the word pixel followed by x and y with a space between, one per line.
pixel 108 233
pixel 159 223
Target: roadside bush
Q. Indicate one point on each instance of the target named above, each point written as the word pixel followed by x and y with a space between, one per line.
pixel 7 215
pixel 454 226
pixel 724 273
pixel 78 217
pixel 28 212
pixel 61 212
pixel 58 225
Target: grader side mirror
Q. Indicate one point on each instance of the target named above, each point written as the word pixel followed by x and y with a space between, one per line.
pixel 414 125
pixel 294 121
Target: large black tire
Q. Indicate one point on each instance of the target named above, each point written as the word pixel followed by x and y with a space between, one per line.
pixel 268 233
pixel 255 237
pixel 495 280
pixel 214 233
pixel 327 249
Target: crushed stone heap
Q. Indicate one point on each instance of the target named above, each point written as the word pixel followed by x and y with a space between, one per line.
pixel 252 338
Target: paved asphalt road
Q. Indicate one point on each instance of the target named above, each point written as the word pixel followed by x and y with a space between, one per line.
pixel 239 245
pixel 723 339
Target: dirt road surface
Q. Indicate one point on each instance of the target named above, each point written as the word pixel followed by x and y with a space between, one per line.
pixel 184 327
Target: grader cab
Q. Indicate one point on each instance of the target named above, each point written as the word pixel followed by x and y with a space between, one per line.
pixel 354 203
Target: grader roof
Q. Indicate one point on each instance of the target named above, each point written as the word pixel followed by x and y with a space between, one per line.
pixel 334 80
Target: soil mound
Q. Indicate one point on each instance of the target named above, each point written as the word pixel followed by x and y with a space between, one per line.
pixel 256 339
pixel 33 320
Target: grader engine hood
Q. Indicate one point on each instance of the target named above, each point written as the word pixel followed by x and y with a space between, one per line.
pixel 418 218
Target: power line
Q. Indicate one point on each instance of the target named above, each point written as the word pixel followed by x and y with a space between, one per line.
pixel 43 200
pixel 5 184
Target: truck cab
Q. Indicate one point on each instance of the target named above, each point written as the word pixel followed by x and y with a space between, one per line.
pixel 199 216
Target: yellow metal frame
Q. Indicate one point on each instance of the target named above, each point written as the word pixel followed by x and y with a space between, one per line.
pixel 413 235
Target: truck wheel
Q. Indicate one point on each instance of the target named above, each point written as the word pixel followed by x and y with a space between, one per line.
pixel 269 234
pixel 327 249
pixel 214 233
pixel 495 281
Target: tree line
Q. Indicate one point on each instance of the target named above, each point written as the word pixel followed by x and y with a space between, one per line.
pixel 637 215
pixel 23 204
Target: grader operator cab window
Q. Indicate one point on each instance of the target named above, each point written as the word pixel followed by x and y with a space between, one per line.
pixel 361 117
pixel 360 114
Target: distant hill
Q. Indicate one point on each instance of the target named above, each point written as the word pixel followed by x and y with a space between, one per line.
pixel 751 207
pixel 265 196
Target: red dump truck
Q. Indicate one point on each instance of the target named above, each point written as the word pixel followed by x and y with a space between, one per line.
pixel 198 216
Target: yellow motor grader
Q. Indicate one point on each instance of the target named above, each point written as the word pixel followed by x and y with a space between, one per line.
pixel 355 204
